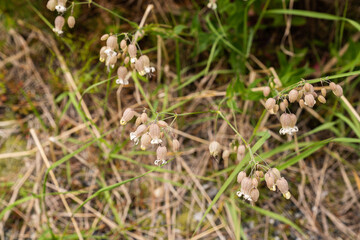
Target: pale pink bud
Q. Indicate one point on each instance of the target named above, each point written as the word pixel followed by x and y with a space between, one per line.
pixel 283 106
pixel 51 5
pixel 254 194
pixel 241 176
pixel 283 186
pixel 112 61
pixel 104 37
pixel 323 92
pixel 146 63
pixel 270 104
pixel 301 103
pixel 293 95
pixel 214 148
pixel 162 124
pixel 132 52
pixel 226 154
pixel 127 116
pixel 144 117
pixel 139 66
pixel 270 181
pixel 307 87
pixel 175 145
pixel 154 132
pixel 145 141
pixel 332 86
pixel 123 45
pixel 59 24
pixel 102 54
pixel 255 182
pixel 309 100
pixel 266 91
pixel 338 91
pixel 321 99
pixel 246 185
pixel 111 42
pixel 161 153
pixel 71 21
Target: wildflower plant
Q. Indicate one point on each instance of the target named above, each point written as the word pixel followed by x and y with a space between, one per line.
pixel 304 94
pixel 211 69
pixel 151 134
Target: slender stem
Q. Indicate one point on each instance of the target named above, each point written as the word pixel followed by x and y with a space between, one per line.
pixel 107 92
pixel 136 80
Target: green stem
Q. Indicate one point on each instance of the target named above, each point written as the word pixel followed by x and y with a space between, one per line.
pixel 136 80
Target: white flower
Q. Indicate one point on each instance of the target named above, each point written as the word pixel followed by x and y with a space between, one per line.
pixel 156 141
pixel 122 81
pixel 212 4
pixel 288 122
pixel 60 8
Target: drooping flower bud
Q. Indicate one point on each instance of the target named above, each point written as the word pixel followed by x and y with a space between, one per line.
pixel 293 95
pixel 254 194
pixel 259 175
pixel 132 52
pixel 255 182
pixel 332 86
pixel 112 61
pixel 144 117
pixel 226 154
pixel 59 24
pixel 111 42
pixel 246 186
pixel 309 100
pixel 283 186
pixel 123 45
pixel 283 106
pixel 51 4
pixel 161 153
pixel 266 91
pixel 154 132
pixel 146 63
pixel 139 66
pixel 270 181
pixel 323 92
pixel 302 103
pixel 126 60
pixel 145 141
pixel 162 124
pixel 122 73
pixel 102 54
pixel 104 37
pixel 321 99
pixel 338 91
pixel 127 116
pixel 240 153
pixel 241 176
pixel 71 21
pixel 138 122
pixel 175 145
pixel 307 87
pixel 270 104
pixel 214 149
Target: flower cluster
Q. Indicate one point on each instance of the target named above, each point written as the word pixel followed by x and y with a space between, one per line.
pixel 127 55
pixel 249 184
pixel 305 95
pixel 60 7
pixel 151 133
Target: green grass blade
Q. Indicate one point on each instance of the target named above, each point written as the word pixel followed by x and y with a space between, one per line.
pixel 318 15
